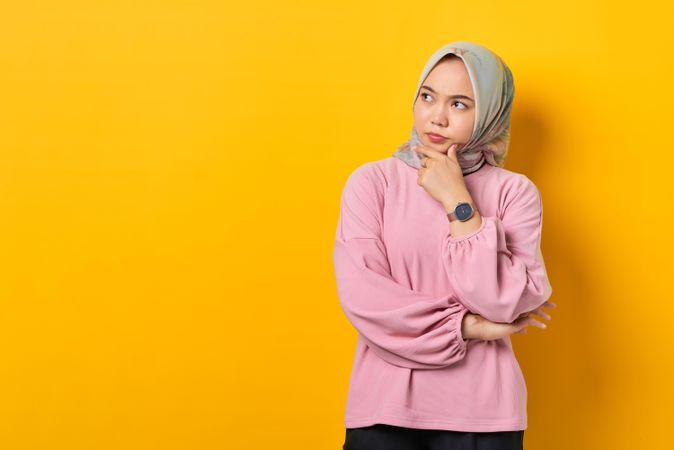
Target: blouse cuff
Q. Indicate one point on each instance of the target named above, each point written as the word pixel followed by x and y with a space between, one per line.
pixel 462 342
pixel 463 237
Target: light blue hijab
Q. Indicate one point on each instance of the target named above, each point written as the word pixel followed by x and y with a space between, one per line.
pixel 494 90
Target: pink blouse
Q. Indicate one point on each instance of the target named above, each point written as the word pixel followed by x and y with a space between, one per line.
pixel 405 283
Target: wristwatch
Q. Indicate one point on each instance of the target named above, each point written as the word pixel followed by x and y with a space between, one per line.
pixel 462 212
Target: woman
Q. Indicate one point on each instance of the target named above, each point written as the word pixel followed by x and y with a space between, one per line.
pixel 437 261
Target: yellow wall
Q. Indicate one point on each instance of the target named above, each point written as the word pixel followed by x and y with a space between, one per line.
pixel 169 183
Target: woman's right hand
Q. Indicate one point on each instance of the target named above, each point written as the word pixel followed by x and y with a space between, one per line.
pixel 477 327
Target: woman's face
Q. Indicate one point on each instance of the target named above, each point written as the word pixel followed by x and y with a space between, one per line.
pixel 445 105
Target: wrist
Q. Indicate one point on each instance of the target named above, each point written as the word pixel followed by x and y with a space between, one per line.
pixel 467 325
pixel 450 202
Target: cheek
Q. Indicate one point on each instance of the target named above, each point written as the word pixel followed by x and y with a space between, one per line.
pixel 420 115
pixel 467 121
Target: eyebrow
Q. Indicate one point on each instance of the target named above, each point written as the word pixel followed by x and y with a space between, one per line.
pixel 451 96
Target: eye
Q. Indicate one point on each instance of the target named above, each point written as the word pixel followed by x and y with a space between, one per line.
pixel 460 103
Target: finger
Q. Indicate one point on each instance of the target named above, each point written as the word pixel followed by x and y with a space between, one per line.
pixel 522 330
pixel 536 323
pixel 522 322
pixel 541 313
pixel 451 152
pixel 431 153
pixel 550 304
pixel 544 315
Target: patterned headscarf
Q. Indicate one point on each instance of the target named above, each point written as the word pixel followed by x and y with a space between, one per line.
pixel 494 90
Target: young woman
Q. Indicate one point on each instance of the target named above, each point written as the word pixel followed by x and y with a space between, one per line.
pixel 437 260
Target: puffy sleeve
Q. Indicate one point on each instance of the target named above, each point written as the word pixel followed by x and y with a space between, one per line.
pixel 404 327
pixel 497 271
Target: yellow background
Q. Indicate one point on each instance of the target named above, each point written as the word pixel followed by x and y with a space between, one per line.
pixel 170 175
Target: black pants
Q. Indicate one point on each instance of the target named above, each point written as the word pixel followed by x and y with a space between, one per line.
pixel 390 437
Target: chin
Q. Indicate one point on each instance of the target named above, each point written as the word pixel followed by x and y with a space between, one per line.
pixel 441 147
pixel 432 144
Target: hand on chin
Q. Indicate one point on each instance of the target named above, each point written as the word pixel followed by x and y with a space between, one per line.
pixel 443 147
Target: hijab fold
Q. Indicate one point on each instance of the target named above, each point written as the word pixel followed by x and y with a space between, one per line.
pixel 494 90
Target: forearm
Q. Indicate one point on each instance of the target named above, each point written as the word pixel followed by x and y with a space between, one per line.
pixel 468 325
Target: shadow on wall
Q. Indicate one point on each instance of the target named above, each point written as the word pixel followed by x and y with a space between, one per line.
pixel 562 367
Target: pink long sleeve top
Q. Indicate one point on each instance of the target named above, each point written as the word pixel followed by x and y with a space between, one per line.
pixel 405 283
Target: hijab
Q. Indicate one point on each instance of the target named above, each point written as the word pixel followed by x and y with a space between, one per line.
pixel 494 90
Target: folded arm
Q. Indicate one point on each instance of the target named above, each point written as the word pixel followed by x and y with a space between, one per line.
pixel 404 327
pixel 497 271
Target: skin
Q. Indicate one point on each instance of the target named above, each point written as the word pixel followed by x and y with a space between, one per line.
pixel 475 326
pixel 437 110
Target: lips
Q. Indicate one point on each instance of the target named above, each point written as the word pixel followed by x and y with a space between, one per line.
pixel 436 137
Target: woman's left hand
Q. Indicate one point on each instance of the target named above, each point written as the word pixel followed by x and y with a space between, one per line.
pixel 441 175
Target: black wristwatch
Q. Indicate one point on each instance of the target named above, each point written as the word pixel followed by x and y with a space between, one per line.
pixel 462 212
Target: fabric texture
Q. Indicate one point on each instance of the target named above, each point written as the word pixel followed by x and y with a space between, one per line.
pixel 404 284
pixel 494 90
pixel 390 437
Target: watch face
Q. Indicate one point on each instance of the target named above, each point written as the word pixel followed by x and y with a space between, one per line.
pixel 463 211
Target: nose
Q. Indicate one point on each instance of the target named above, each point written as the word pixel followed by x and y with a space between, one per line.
pixel 438 116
